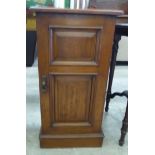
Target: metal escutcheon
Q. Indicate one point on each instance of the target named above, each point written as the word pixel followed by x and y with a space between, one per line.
pixel 44 83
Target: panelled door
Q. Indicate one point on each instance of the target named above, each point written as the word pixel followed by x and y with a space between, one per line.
pixel 74 58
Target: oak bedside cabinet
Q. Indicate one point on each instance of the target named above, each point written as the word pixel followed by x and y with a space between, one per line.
pixel 74 52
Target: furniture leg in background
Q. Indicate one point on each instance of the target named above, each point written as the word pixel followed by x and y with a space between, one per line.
pixel 124 128
pixel 117 38
pixel 120 30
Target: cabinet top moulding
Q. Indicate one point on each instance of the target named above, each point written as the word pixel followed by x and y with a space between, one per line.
pixel 109 12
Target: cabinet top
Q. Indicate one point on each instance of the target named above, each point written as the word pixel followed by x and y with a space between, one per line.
pixel 45 9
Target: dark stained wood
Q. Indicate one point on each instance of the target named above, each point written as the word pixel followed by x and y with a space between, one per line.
pixel 76 75
pixel 124 128
pixel 122 19
pixel 110 4
pixel 117 38
pixel 109 12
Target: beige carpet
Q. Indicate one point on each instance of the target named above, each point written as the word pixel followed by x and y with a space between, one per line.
pixel 111 122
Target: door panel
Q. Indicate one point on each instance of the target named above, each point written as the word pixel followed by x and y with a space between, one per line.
pixel 71 100
pixel 72 92
pixel 68 45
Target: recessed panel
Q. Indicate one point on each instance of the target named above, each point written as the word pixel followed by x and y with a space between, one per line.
pixel 72 98
pixel 74 45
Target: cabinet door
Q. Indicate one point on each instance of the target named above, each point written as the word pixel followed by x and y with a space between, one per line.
pixel 74 58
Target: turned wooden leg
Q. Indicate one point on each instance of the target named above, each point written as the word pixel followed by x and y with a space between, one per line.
pixel 124 128
pixel 117 38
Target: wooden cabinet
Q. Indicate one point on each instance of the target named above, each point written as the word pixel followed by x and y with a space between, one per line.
pixel 74 48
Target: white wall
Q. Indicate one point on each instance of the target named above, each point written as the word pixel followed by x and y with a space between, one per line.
pixel 123 49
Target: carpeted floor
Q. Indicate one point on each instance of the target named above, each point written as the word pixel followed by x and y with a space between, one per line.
pixel 111 121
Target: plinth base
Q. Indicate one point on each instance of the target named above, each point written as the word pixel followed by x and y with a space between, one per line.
pixel 71 140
